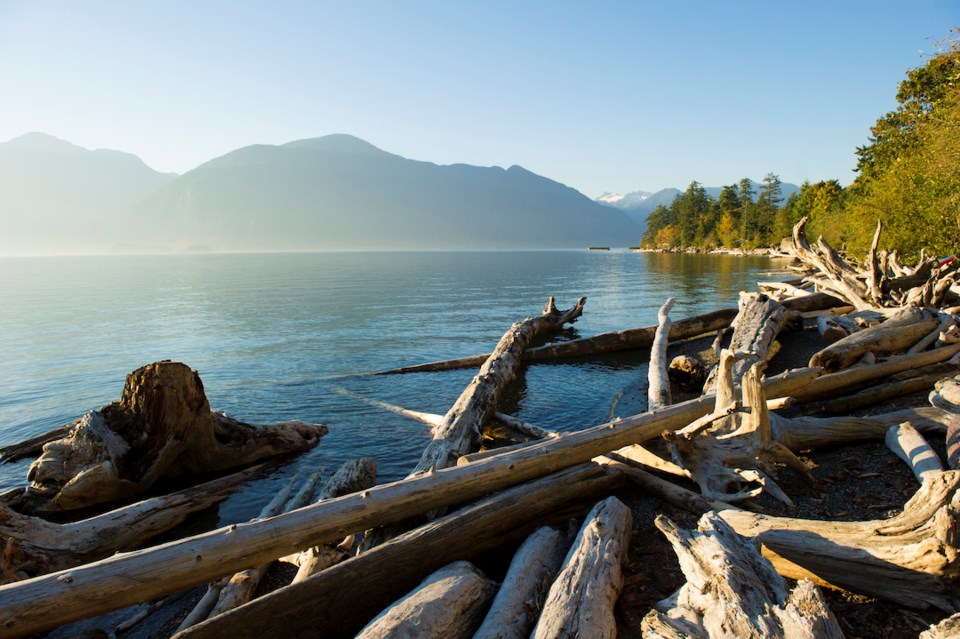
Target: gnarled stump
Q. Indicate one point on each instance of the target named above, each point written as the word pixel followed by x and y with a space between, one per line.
pixel 754 330
pixel 161 427
pixel 732 591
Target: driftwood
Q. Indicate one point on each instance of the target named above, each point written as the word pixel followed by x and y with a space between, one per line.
pixel 946 396
pixel 459 431
pixel 731 453
pixel 449 604
pixel 581 600
pixel 914 381
pixel 34 546
pixel 516 608
pixel 754 330
pixel 625 340
pixel 46 602
pixel 161 427
pixel 910 446
pixel 687 372
pixel 731 591
pixel 949 628
pixel 910 559
pixel 382 574
pixel 352 477
pixel 896 334
pixel 658 385
pixel 32 447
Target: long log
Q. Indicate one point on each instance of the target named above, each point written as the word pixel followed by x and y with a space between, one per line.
pixel 34 546
pixel 382 574
pixel 449 604
pixel 581 600
pixel 45 602
pixel 731 591
pixel 896 334
pixel 909 445
pixel 516 608
pixel 658 382
pixel 459 431
pixel 625 340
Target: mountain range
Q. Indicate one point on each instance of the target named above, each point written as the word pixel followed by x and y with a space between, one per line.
pixel 335 192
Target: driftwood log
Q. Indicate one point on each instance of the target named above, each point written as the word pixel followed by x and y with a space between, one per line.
pixel 379 576
pixel 625 340
pixel 161 427
pixel 946 396
pixel 581 600
pixel 449 604
pixel 34 546
pixel 516 608
pixel 897 334
pixel 949 628
pixel 910 559
pixel 909 445
pixel 732 591
pixel 658 379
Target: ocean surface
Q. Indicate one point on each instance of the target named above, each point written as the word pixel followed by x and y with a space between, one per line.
pixel 288 336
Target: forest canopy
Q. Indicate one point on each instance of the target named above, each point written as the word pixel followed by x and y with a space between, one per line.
pixel 907 176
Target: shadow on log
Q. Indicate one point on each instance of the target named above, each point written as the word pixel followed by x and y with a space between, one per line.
pixel 162 427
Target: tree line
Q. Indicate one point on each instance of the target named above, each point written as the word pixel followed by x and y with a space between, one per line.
pixel 907 176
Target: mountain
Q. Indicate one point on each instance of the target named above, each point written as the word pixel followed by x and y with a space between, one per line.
pixel 58 197
pixel 639 204
pixel 339 192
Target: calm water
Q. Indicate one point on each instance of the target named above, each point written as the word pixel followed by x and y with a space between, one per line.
pixel 273 335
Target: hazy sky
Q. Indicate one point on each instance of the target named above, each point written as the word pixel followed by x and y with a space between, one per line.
pixel 617 96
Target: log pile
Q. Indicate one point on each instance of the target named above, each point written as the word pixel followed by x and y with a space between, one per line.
pixel 743 440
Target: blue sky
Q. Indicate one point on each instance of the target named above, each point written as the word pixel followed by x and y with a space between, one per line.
pixel 617 96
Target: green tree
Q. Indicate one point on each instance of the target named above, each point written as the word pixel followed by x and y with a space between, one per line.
pixel 747 218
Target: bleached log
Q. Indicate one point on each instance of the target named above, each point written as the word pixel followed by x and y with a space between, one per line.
pixel 732 591
pixel 873 395
pixel 34 546
pixel 786 289
pixel 351 477
pixel 910 446
pixel 449 604
pixel 46 602
pixel 459 431
pixel 628 339
pixel 161 427
pixel 518 603
pixel 896 334
pixel 946 396
pixel 946 323
pixel 910 559
pixel 658 382
pixel 806 433
pixel 581 600
pixel 754 330
pixel 831 329
pixel 203 607
pixel 321 604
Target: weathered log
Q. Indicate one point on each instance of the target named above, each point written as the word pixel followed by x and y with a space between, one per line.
pixel 459 431
pixel 732 591
pixel 910 559
pixel 946 396
pixel 754 330
pixel 380 575
pixel 848 379
pixel 806 433
pixel 658 382
pixel 449 604
pixel 831 328
pixel 625 340
pixel 880 393
pixel 161 427
pixel 949 628
pixel 581 600
pixel 896 334
pixel 909 445
pixel 516 608
pixel 46 602
pixel 351 477
pixel 34 546
pixel 687 372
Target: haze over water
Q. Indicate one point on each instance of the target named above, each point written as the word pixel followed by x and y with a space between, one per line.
pixel 273 335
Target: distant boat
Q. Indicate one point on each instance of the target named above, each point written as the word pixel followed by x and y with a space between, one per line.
pixel 598 248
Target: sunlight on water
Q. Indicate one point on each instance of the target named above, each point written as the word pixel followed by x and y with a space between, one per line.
pixel 271 334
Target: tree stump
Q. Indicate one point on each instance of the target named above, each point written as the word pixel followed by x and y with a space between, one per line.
pixel 161 427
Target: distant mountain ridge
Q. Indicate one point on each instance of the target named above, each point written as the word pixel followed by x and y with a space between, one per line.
pixel 335 192
pixel 639 204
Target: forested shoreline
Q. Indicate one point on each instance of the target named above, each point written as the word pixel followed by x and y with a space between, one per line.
pixel 907 177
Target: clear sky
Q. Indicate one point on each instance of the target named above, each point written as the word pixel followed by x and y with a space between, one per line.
pixel 602 96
